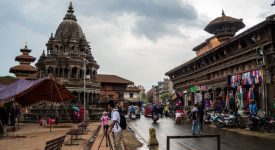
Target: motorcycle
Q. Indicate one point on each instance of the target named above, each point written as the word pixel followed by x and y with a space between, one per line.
pixel 253 124
pixel 214 118
pixel 178 116
pixel 230 121
pixel 188 112
pixel 207 119
pixel 265 124
pixel 155 117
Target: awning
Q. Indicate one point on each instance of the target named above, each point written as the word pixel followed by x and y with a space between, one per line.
pixel 28 92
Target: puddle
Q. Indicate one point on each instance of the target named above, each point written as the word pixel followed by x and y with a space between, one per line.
pixel 144 144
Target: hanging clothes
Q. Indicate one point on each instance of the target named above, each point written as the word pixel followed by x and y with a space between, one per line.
pixel 231 102
pixel 227 100
pixel 237 98
pixel 198 98
pixel 241 105
pixel 186 99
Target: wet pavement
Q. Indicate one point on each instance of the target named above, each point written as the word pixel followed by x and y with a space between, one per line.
pixel 167 127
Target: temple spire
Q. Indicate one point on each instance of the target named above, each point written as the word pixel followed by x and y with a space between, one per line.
pixel 70 8
pixel 26 44
pixel 223 14
pixel 70 13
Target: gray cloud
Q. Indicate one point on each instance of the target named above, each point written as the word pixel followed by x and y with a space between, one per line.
pixel 137 39
pixel 155 18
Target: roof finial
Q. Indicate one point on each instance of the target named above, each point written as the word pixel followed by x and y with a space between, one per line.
pixel 223 14
pixel 26 44
pixel 70 11
pixel 70 8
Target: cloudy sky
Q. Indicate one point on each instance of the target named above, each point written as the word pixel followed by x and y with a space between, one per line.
pixel 139 40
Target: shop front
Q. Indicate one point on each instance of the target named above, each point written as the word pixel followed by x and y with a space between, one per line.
pixel 246 92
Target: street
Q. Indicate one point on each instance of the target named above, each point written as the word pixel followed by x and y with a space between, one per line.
pixel 167 126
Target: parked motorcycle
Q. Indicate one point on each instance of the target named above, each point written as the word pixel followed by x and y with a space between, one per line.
pixel 207 119
pixel 253 124
pixel 264 124
pixel 188 112
pixel 214 118
pixel 230 121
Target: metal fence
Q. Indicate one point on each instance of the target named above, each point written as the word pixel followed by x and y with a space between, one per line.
pixel 195 136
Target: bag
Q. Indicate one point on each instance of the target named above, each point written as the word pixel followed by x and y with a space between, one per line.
pixel 132 110
pixel 194 115
pixel 122 123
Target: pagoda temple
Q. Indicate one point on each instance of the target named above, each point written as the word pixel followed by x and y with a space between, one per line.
pixel 24 69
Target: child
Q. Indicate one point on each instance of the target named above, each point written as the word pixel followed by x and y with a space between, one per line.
pixel 104 121
pixel 178 116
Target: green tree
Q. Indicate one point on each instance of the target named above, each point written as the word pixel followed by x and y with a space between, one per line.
pixel 144 97
pixel 166 96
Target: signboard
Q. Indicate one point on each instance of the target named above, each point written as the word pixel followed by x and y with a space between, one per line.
pixel 192 89
pixel 203 88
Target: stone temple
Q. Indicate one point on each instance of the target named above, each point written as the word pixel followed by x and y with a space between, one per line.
pixel 68 52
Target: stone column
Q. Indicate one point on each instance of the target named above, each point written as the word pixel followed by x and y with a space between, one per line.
pixel 63 72
pixel 46 71
pixel 58 72
pixel 87 98
pixel 77 73
pixel 92 98
pixel 69 72
pixel 54 71
pixel 78 97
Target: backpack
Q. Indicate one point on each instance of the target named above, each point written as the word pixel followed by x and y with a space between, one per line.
pixel 132 109
pixel 122 123
pixel 194 115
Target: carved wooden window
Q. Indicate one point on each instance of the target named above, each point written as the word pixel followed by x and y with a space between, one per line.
pixel 237 68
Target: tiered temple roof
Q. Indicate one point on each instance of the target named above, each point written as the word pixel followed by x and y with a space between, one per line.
pixel 24 69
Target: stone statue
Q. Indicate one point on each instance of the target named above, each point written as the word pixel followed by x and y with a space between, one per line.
pixel 152 137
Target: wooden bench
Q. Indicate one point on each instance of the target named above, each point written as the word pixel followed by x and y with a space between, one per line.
pixel 76 133
pixel 83 126
pixel 55 144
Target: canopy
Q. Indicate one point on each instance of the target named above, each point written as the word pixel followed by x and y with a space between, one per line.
pixel 28 92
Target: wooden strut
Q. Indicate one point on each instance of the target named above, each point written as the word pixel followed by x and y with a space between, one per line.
pixel 62 102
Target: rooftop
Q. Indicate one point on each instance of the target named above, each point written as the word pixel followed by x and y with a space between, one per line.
pixel 104 78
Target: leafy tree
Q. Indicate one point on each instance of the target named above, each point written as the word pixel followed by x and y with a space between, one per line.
pixel 166 96
pixel 144 97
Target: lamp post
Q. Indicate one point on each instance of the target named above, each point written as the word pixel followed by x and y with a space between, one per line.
pixel 84 87
pixel 261 53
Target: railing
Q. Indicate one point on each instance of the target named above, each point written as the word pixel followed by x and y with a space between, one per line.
pixel 195 136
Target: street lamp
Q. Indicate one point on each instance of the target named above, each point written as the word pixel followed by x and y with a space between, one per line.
pixel 84 86
pixel 260 52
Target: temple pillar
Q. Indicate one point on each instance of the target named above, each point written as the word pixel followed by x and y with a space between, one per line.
pixel 46 71
pixel 92 98
pixel 63 72
pixel 69 72
pixel 58 72
pixel 77 73
pixel 78 97
pixel 54 72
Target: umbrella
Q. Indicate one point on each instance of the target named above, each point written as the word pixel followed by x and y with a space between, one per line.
pixel 75 108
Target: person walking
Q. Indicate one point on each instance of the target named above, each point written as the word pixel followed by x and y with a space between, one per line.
pixel 200 122
pixel 115 125
pixel 195 120
pixel 166 111
pixel 161 110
